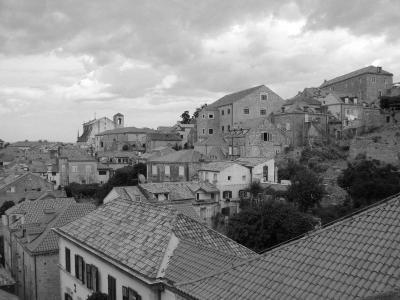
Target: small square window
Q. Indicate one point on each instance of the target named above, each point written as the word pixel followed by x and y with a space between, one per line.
pixel 210 131
pixel 229 111
pixel 266 136
pixel 229 178
pixel 263 112
pixel 246 111
pixel 211 116
pixel 222 112
pixel 264 97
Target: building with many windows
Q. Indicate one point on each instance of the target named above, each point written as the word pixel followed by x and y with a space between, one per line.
pixel 134 250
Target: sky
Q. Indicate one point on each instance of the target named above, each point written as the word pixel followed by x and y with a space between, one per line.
pixel 64 62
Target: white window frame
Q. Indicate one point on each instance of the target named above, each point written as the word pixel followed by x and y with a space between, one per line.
pixel 154 170
pixel 167 171
pixel 74 169
pixel 181 171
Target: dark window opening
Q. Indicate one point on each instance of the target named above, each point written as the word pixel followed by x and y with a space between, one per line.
pixel 68 260
pixel 112 288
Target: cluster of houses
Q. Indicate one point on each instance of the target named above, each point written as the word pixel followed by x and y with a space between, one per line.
pixel 155 241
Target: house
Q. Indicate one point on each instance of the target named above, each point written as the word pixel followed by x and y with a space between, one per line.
pixel 353 258
pixel 103 173
pixel 127 138
pixel 303 125
pixel 188 134
pixel 150 250
pixel 263 169
pixel 1 144
pixel 117 159
pixel 258 137
pixel 159 139
pixel 177 166
pixel 31 247
pixel 77 167
pixel 224 114
pixel 231 179
pixel 93 127
pixel 366 84
pixel 214 147
pixel 20 187
pixel 390 103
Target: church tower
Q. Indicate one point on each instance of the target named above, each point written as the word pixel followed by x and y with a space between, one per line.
pixel 118 120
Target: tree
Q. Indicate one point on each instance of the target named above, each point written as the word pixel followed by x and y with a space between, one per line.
pixel 368 181
pixel 197 111
pixel 306 189
pixel 185 117
pixel 260 228
pixel 97 296
pixel 6 205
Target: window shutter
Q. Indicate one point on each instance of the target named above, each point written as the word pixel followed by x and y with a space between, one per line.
pixel 89 276
pixel 82 270
pixel 125 293
pixel 68 260
pixel 76 266
pixel 95 278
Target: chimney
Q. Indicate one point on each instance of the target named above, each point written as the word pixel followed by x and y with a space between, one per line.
pixel 379 69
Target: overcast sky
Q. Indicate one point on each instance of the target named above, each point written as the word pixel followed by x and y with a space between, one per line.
pixel 62 62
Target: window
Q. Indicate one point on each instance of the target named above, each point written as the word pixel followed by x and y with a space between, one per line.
pixel 197 196
pixel 229 127
pixel 204 131
pixel 101 144
pixel 181 171
pixel 373 79
pixel 137 198
pixel 215 177
pixel 227 194
pixel 266 136
pixel 263 112
pixel 222 112
pixel 67 260
pixel 246 110
pixel 229 111
pixel 74 169
pixel 211 116
pixel 264 96
pixel 167 171
pixel 80 268
pixel 129 294
pixel 102 172
pixel 67 297
pixel 92 278
pixel 287 126
pixel 203 116
pixel 112 288
pixel 212 196
pixel 53 173
pixel 229 178
pixel 223 128
pixel 265 173
pixel 242 194
pixel 154 170
pixel 210 131
pixel 244 178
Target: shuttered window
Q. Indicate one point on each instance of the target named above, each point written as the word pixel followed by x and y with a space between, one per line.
pixel 130 294
pixel 80 268
pixel 68 260
pixel 112 288
pixel 92 278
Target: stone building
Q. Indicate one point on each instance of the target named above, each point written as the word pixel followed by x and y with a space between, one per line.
pixel 156 140
pixel 93 127
pixel 390 103
pixel 227 112
pixel 367 84
pixel 127 138
pixel 177 166
pixel 215 147
pixel 31 247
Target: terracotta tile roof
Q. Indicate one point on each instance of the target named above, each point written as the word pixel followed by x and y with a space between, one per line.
pixel 213 140
pixel 231 98
pixel 180 156
pixel 136 235
pixel 217 166
pixel 126 130
pixel 366 70
pixel 354 258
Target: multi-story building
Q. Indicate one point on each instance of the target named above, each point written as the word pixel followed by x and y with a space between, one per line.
pixel 135 250
pixel 127 138
pixel 93 127
pixel 390 103
pixel 367 84
pixel 177 166
pixel 31 247
pixel 156 140
pixel 227 112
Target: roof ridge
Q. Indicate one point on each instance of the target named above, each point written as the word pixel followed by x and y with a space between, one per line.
pixel 302 237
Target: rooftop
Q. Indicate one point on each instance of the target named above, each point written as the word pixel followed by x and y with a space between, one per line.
pixel 217 166
pixel 231 98
pixel 141 234
pixel 366 70
pixel 126 130
pixel 253 161
pixel 184 156
pixel 354 258
pixel 163 136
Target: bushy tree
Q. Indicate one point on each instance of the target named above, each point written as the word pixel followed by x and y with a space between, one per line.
pixel 262 227
pixel 368 181
pixel 97 296
pixel 185 117
pixel 197 111
pixel 306 189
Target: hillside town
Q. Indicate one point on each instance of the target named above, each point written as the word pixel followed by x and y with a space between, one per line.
pixel 251 196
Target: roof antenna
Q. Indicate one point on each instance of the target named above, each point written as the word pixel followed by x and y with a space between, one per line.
pixel 95 115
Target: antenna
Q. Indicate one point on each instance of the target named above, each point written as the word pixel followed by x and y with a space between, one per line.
pixel 95 115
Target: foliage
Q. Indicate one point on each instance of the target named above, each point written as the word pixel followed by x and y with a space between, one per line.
pixel 125 147
pixel 306 189
pixel 97 296
pixel 368 181
pixel 6 205
pixel 197 111
pixel 288 171
pixel 260 228
pixel 331 213
pixel 185 117
pixel 79 191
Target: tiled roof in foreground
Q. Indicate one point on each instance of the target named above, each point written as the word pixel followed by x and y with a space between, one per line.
pixel 355 258
pixel 136 235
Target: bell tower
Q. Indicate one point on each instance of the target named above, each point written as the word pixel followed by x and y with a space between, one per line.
pixel 118 120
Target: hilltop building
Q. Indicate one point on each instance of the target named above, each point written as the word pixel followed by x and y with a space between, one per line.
pixel 93 127
pixel 366 84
